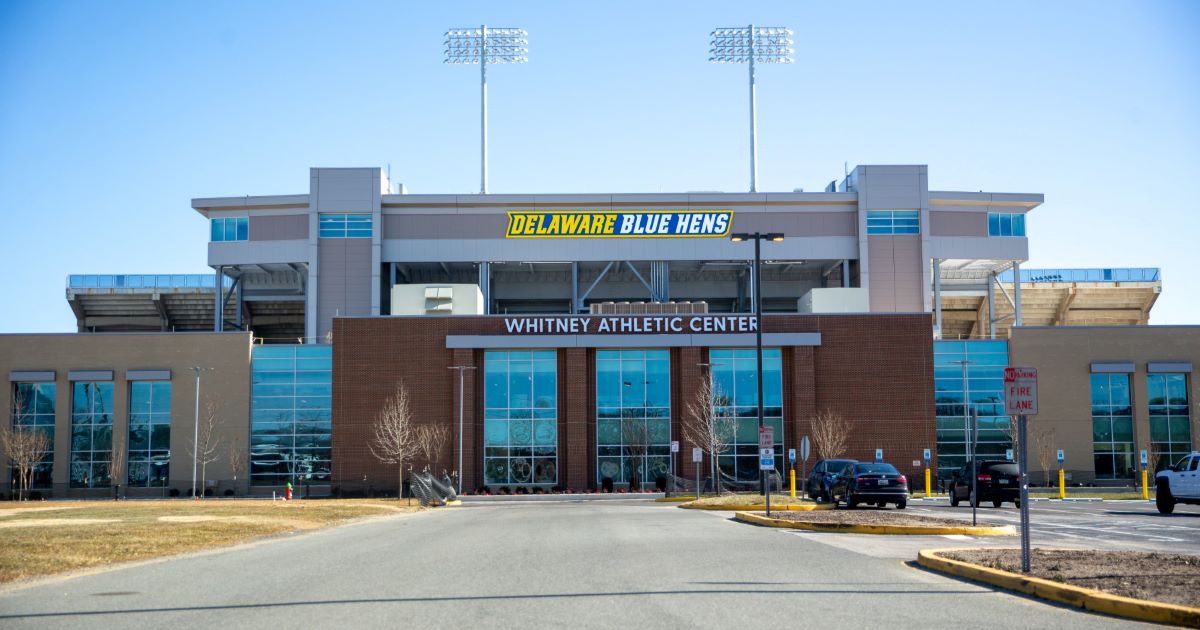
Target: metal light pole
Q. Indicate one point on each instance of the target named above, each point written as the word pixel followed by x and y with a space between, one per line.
pixel 971 425
pixel 752 45
pixel 758 237
pixel 196 432
pixel 461 369
pixel 485 45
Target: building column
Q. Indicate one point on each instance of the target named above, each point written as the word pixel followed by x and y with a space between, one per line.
pixel 1016 293
pixel 937 298
pixel 485 286
pixel 846 273
pixel 575 441
pixel 689 374
pixel 991 304
pixel 219 301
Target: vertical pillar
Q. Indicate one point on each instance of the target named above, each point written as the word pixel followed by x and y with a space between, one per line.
pixel 1016 293
pixel 472 468
pixel 485 286
pixel 937 298
pixel 218 304
pixel 238 315
pixel 991 304
pixel 575 288
pixel 575 442
pixel 846 273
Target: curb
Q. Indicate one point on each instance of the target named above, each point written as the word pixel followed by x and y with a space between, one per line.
pixel 1079 597
pixel 887 530
pixel 803 507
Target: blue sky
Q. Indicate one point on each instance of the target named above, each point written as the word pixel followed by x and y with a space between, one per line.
pixel 114 115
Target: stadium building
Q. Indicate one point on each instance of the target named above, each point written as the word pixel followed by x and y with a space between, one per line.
pixel 577 331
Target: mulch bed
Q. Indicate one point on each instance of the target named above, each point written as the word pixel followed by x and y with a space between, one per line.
pixel 1161 577
pixel 871 517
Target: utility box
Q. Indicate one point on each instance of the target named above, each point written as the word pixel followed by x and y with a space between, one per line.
pixel 437 299
pixel 835 300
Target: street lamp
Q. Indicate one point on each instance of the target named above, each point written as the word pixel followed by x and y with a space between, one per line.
pixel 971 422
pixel 758 238
pixel 461 369
pixel 485 45
pixel 752 45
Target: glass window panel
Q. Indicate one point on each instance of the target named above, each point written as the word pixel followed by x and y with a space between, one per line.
pixel 1018 225
pixel 218 230
pixel 1006 224
pixel 243 229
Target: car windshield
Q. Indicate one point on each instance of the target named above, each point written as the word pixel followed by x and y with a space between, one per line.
pixel 1003 469
pixel 836 465
pixel 875 469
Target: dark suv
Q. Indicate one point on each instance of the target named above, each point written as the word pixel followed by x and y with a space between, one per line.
pixel 823 474
pixel 998 481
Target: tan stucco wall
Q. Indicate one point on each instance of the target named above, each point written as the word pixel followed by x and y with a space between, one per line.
pixel 225 381
pixel 1063 357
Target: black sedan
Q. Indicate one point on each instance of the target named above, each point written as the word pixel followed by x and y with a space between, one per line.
pixel 870 483
pixel 822 476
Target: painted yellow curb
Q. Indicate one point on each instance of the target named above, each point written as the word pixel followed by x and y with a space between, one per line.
pixel 800 507
pixel 1086 598
pixel 900 530
pixel 675 499
pixel 454 502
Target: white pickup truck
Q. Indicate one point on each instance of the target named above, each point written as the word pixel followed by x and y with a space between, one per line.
pixel 1179 484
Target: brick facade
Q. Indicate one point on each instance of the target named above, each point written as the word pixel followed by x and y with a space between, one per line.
pixel 875 369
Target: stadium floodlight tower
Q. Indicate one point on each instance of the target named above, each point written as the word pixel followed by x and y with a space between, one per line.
pixel 752 45
pixel 485 45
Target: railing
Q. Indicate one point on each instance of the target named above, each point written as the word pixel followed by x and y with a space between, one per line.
pixel 134 281
pixel 1119 274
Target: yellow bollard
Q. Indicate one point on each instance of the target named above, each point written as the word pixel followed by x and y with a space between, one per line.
pixel 927 478
pixel 1145 485
pixel 1062 484
pixel 792 476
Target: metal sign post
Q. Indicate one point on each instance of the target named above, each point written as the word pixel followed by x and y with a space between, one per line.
pixel 697 458
pixel 1021 400
pixel 766 459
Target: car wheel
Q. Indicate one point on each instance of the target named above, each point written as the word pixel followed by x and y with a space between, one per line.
pixel 1017 502
pixel 901 505
pixel 850 502
pixel 953 497
pixel 997 503
pixel 880 504
pixel 1163 499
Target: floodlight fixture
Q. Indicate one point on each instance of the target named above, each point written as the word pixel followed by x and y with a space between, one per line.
pixel 752 45
pixel 485 46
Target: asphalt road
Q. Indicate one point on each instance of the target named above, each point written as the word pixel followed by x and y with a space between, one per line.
pixel 562 564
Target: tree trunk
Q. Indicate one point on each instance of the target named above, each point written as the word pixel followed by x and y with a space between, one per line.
pixel 200 490
pixel 400 487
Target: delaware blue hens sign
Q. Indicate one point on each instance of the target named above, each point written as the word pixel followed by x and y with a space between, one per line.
pixel 633 224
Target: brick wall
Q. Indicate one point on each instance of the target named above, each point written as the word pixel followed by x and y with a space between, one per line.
pixel 875 369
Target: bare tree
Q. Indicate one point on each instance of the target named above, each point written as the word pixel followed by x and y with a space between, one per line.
pixel 1013 433
pixel 206 450
pixel 237 460
pixel 431 439
pixel 1044 437
pixel 635 436
pixel 709 424
pixel 23 446
pixel 116 465
pixel 395 440
pixel 830 434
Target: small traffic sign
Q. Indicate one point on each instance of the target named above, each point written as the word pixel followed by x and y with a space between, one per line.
pixel 805 448
pixel 1060 456
pixel 1008 454
pixel 792 455
pixel 766 437
pixel 674 446
pixel 916 463
pixel 1145 459
pixel 1020 391
pixel 697 454
pixel 927 456
pixel 766 463
pixel 878 456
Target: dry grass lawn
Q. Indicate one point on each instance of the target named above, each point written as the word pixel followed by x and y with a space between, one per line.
pixel 44 539
pixel 750 499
